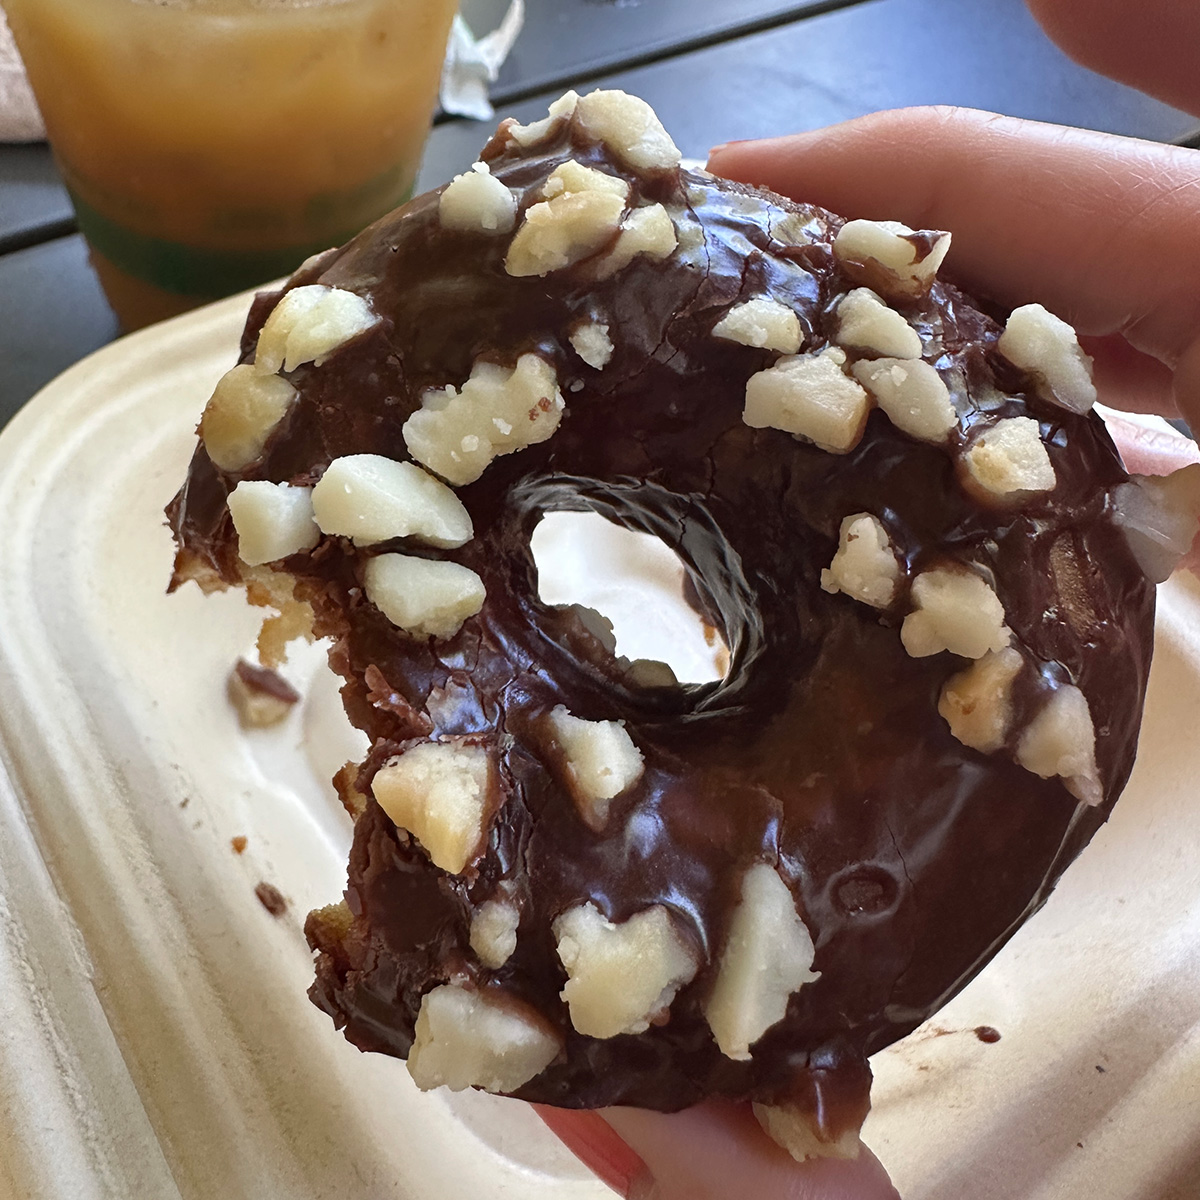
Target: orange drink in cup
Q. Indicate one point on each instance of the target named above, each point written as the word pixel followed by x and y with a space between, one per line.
pixel 210 145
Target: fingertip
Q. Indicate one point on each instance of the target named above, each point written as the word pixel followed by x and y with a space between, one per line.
pixel 717 1150
pixel 1187 385
pixel 597 1145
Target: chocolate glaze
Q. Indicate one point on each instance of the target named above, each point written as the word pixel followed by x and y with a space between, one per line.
pixel 911 857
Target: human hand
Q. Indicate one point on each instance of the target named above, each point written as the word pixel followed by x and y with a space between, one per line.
pixel 1102 230
pixel 715 1151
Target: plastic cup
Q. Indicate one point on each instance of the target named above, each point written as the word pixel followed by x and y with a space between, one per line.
pixel 212 145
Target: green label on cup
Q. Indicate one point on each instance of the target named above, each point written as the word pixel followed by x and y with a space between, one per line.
pixel 194 271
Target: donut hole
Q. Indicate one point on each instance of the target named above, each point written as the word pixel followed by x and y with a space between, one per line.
pixel 637 583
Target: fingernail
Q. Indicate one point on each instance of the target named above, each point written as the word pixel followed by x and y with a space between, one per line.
pixel 596 1144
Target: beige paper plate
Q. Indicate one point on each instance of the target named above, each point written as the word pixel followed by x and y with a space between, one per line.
pixel 157 1039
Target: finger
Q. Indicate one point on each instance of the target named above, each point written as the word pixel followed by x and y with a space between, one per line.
pixel 1149 449
pixel 1100 229
pixel 717 1150
pixel 596 1144
pixel 1128 379
pixel 1148 44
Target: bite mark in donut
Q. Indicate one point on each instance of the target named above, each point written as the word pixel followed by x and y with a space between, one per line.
pixel 583 884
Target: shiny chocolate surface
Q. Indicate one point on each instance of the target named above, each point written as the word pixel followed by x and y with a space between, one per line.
pixel 911 857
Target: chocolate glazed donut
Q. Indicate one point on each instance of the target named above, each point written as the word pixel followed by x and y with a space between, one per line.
pixel 927 602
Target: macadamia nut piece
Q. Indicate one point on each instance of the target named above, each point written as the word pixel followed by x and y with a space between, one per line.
pixel 889 256
pixel 244 410
pixel 260 696
pixel 1061 740
pixel 371 498
pixel 955 611
pixel 1037 341
pixel 649 231
pixel 977 703
pixel 494 932
pixel 424 597
pixel 308 324
pixel 581 212
pixel 865 322
pixel 477 202
pixel 500 410
pixel 865 566
pixel 440 792
pixel 794 1130
pixel 912 394
pixel 812 397
pixel 620 977
pixel 602 762
pixel 272 520
pixel 629 127
pixel 536 131
pixel 469 1039
pixel 1010 459
pixel 768 955
pixel 592 343
pixel 1159 516
pixel 572 176
pixel 761 322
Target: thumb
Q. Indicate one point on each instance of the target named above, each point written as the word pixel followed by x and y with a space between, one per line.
pixel 711 1152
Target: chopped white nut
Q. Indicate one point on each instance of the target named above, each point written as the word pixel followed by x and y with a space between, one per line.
pixel 573 176
pixel 494 932
pixel 649 231
pixel 955 611
pixel 592 344
pixel 1159 516
pixel 912 394
pixel 977 703
pixel 1037 341
pixel 581 213
pixel 423 597
pixel 601 760
pixel 272 520
pixel 440 792
pixel 477 202
pixel 795 1131
pixel 1061 740
pixel 768 955
pixel 866 323
pixel 1010 459
pixel 308 324
pixel 889 256
pixel 761 322
pixel 530 135
pixel 811 396
pixel 499 410
pixel 865 566
pixel 629 127
pixel 620 977
pixel 260 696
pixel 371 498
pixel 468 1039
pixel 245 408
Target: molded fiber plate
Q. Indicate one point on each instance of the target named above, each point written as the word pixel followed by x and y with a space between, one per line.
pixel 157 1039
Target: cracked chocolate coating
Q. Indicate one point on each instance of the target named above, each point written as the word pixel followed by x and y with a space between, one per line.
pixel 911 858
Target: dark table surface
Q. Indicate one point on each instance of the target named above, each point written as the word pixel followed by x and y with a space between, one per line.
pixel 714 69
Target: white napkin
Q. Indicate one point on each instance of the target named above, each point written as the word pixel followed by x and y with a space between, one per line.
pixel 20 120
pixel 471 64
